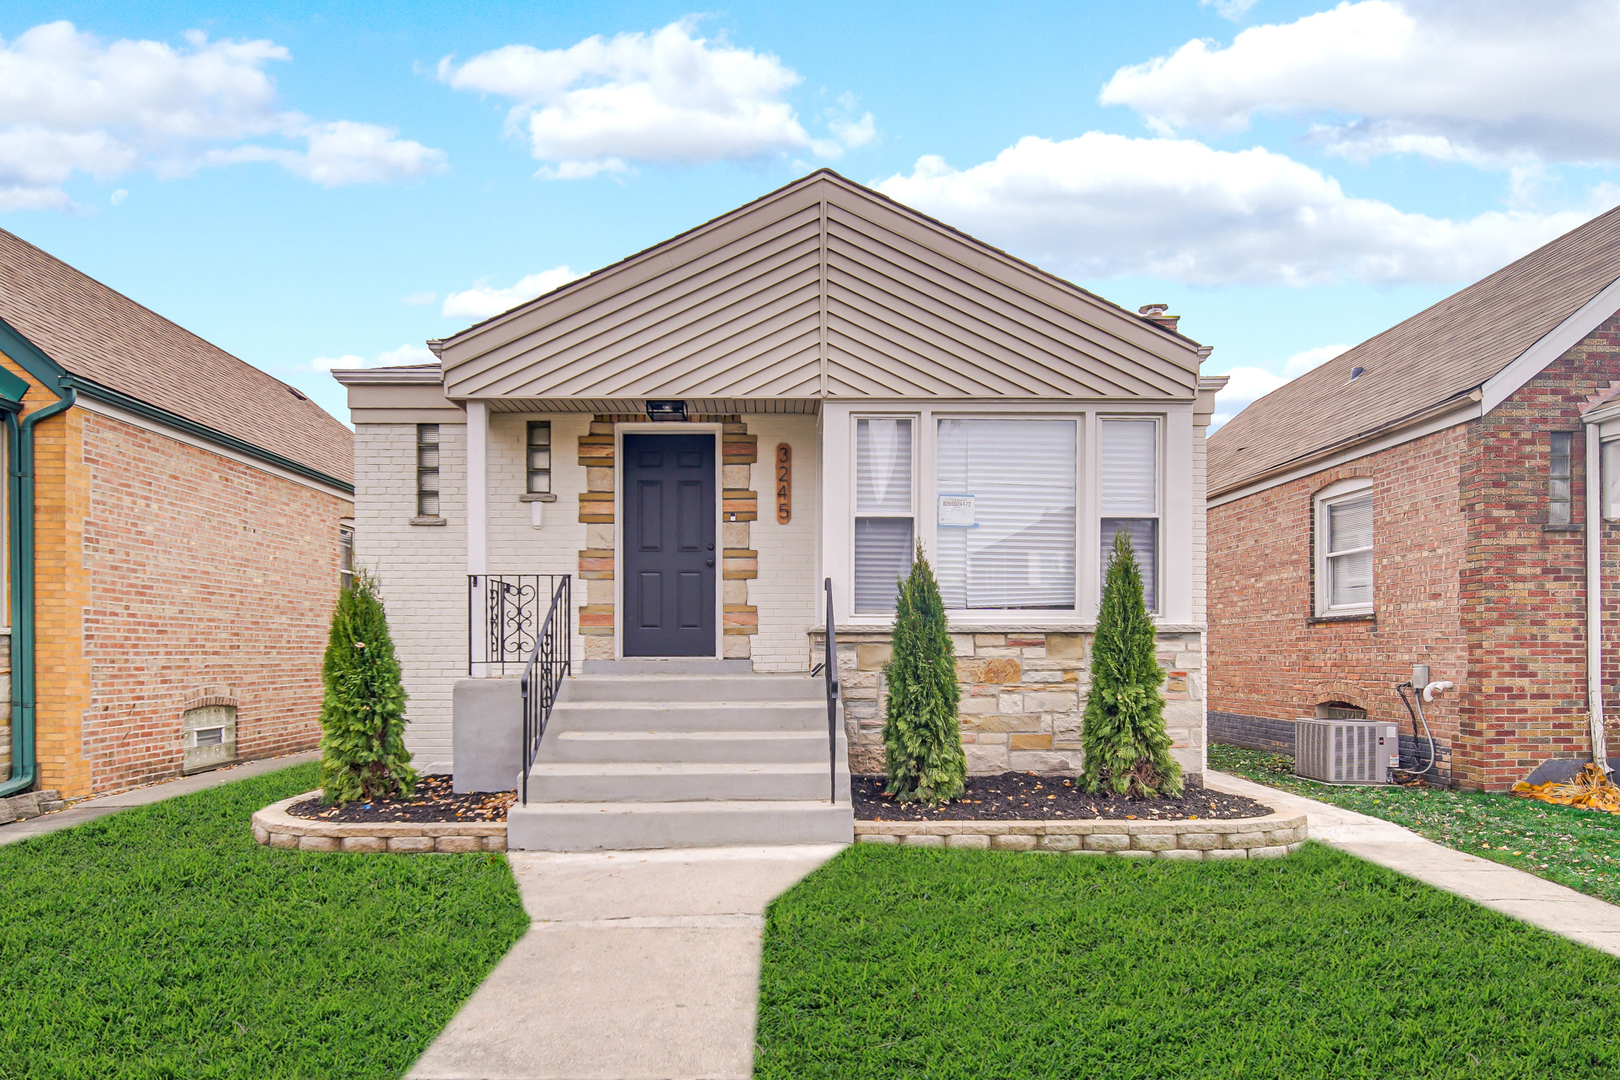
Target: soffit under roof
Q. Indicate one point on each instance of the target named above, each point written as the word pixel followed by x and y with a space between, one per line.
pixel 822 289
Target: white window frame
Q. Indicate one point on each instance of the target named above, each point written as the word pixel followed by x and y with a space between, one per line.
pixel 928 530
pixel 1158 503
pixel 917 421
pixel 1334 494
pixel 1178 517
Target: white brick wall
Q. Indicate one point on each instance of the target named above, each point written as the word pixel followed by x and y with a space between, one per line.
pixel 788 591
pixel 422 570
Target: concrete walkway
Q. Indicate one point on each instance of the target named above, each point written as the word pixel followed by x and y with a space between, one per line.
pixel 639 965
pixel 1513 892
pixel 91 809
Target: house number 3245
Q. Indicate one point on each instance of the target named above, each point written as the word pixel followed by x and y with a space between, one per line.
pixel 784 483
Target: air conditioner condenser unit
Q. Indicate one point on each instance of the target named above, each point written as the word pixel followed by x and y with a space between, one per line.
pixel 1346 751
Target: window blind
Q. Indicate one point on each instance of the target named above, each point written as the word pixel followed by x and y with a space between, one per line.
pixel 1128 490
pixel 1018 480
pixel 1129 470
pixel 1143 533
pixel 883 523
pixel 1350 557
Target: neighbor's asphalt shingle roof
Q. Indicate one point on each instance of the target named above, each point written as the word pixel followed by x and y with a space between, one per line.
pixel 1436 355
pixel 107 338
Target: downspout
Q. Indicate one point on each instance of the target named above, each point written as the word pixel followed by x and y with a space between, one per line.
pixel 20 516
pixel 1594 595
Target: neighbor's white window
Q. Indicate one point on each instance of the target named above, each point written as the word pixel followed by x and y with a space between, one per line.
pixel 1006 513
pixel 1344 548
pixel 885 517
pixel 1128 482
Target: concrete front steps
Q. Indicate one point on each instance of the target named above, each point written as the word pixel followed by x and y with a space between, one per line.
pixel 649 756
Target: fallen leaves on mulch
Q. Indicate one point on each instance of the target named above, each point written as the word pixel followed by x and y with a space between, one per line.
pixel 1589 789
pixel 1013 796
pixel 433 801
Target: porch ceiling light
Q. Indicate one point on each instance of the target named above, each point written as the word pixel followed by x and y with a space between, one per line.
pixel 666 410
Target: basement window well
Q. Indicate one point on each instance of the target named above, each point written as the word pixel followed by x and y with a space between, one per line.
pixel 209 737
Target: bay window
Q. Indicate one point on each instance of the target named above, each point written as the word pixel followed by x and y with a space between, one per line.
pixel 1128 482
pixel 885 519
pixel 1005 493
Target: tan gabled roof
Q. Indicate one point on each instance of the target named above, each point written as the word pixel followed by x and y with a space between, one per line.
pixel 1438 355
pixel 820 289
pixel 105 337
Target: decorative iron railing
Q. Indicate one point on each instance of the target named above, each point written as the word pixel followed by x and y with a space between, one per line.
pixel 549 662
pixel 503 619
pixel 830 671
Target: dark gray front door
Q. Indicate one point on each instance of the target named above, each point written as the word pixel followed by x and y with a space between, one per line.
pixel 669 555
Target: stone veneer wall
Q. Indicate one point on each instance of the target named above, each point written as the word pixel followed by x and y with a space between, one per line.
pixel 739 508
pixel 1022 698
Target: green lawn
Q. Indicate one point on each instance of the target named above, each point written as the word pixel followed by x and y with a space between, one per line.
pixel 163 942
pixel 913 962
pixel 1574 847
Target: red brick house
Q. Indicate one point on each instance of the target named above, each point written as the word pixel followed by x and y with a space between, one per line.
pixel 175 522
pixel 1424 499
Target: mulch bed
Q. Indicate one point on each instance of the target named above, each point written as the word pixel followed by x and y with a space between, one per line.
pixel 1015 796
pixel 434 801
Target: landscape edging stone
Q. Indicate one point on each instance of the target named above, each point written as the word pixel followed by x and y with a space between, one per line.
pixel 1272 836
pixel 275 827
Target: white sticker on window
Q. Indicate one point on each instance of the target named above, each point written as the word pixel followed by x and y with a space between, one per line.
pixel 957 510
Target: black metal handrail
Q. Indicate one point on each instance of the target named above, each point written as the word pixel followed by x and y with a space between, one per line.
pixel 548 663
pixel 503 619
pixel 830 672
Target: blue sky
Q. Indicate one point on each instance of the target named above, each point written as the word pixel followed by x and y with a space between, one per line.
pixel 306 184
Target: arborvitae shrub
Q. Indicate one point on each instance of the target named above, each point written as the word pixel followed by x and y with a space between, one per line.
pixel 363 753
pixel 1126 746
pixel 920 735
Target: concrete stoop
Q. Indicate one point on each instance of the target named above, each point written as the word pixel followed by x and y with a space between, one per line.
pixel 636 758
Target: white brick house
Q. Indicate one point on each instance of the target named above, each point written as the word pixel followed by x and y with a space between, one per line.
pixel 626 430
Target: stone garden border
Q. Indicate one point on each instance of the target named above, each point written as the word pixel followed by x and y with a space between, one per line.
pixel 278 829
pixel 1272 836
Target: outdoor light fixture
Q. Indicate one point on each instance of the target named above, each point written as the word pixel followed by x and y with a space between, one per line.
pixel 666 410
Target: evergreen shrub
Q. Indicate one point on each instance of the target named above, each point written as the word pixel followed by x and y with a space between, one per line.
pixel 920 735
pixel 363 753
pixel 1127 748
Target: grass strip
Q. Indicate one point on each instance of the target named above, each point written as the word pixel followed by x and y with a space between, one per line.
pixel 162 942
pixel 1574 847
pixel 894 962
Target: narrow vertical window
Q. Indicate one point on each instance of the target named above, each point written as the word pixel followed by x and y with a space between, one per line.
pixel 1129 492
pixel 1344 549
pixel 427 470
pixel 1558 477
pixel 345 557
pixel 539 463
pixel 884 525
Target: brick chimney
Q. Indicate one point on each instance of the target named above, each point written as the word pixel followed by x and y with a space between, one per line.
pixel 1156 313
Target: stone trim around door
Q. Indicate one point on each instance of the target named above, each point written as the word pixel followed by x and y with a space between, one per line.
pixel 739 452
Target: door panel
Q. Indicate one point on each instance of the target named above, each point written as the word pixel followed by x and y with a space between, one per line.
pixel 669 558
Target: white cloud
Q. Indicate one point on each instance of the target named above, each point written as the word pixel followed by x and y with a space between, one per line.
pixel 1487 81
pixel 668 97
pixel 1247 385
pixel 1228 9
pixel 405 354
pixel 1103 205
pixel 481 301
pixel 419 299
pixel 71 103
